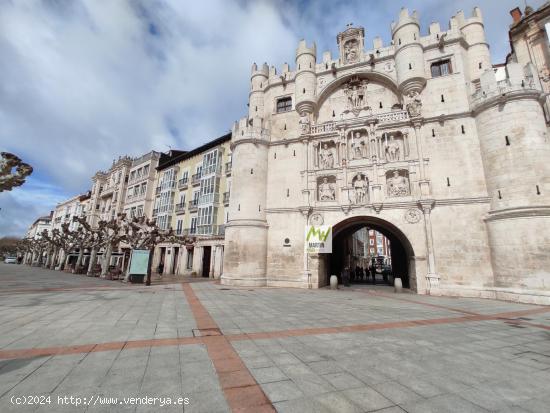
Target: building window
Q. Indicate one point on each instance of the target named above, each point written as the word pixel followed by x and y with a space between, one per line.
pixel 145 170
pixel 140 211
pixel 179 227
pixel 193 229
pixel 284 104
pixel 441 68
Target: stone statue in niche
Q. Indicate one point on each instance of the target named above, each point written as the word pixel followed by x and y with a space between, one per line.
pixel 414 106
pixel 360 186
pixel 393 151
pixel 351 51
pixel 327 192
pixel 398 184
pixel 356 94
pixel 358 146
pixel 304 123
pixel 326 157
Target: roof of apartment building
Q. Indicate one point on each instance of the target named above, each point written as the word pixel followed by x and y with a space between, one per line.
pixel 173 157
pixel 529 14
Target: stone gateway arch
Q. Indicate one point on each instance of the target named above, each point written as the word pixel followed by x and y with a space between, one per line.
pixel 416 139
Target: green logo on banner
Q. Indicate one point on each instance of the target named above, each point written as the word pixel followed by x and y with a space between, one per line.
pixel 321 235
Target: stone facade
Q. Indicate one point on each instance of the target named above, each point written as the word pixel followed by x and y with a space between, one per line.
pixel 416 139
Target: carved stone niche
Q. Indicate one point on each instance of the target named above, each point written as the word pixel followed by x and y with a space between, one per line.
pixel 326 188
pixel 358 144
pixel 360 187
pixel 395 146
pixel 326 155
pixel 397 183
pixel 351 44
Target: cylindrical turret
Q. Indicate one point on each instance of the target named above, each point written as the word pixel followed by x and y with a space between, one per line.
pixel 479 57
pixel 258 81
pixel 515 153
pixel 246 232
pixel 409 55
pixel 305 80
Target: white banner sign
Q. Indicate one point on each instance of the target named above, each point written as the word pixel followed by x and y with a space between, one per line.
pixel 318 239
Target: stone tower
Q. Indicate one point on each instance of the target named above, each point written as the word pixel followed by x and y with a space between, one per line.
pixel 305 78
pixel 409 54
pixel 478 55
pixel 246 232
pixel 516 159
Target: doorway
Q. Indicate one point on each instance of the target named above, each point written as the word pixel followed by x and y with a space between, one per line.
pixel 207 252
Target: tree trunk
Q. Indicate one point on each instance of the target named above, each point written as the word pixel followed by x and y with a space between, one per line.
pixel 66 261
pixel 48 258
pixel 79 259
pixel 107 260
pixel 127 276
pixel 149 265
pixel 93 255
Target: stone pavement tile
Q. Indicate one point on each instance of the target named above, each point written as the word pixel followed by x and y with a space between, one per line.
pixel 268 374
pixel 281 390
pixel 393 409
pixel 342 380
pixel 207 402
pixel 535 406
pixel 312 384
pixel 367 398
pixel 257 362
pixel 197 383
pixel 337 402
pixel 450 403
pixel 325 366
pixel 284 358
pixel 396 392
pixel 421 387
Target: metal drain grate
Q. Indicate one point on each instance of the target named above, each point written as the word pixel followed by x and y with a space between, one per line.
pixel 206 332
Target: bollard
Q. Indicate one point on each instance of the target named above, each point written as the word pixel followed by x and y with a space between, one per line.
pixel 333 282
pixel 397 284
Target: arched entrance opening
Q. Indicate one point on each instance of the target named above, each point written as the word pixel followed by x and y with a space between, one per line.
pixel 392 258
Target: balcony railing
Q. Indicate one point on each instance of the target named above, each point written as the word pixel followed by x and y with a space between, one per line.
pixel 228 166
pixel 155 212
pixel 209 199
pixel 193 205
pixel 226 198
pixel 196 179
pixel 211 229
pixel 180 208
pixel 157 190
pixel 183 183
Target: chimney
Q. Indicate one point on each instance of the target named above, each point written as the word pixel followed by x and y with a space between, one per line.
pixel 516 14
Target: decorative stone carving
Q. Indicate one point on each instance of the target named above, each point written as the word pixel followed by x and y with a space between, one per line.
pixel 351 51
pixel 356 93
pixel 316 219
pixel 413 215
pixel 326 190
pixel 393 150
pixel 397 183
pixel 326 157
pixel 358 146
pixel 414 106
pixel 305 125
pixel 360 187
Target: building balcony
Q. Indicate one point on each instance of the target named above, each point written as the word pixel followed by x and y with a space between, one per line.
pixel 228 166
pixel 180 208
pixel 157 190
pixel 213 230
pixel 196 179
pixel 226 196
pixel 209 199
pixel 183 183
pixel 155 212
pixel 193 205
pixel 107 191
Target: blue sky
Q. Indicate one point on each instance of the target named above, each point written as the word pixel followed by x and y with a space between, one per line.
pixel 86 81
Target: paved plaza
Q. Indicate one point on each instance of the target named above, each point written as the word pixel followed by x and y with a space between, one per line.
pixel 258 350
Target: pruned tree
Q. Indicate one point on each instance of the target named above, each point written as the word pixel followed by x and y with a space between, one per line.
pixel 13 171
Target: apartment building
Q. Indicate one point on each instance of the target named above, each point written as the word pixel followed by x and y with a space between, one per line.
pixel 192 193
pixel 66 211
pixel 39 225
pixel 140 193
pixel 109 191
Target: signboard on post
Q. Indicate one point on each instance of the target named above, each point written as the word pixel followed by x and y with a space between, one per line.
pixel 318 239
pixel 139 262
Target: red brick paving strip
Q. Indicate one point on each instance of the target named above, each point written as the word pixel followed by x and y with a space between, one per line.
pixel 242 392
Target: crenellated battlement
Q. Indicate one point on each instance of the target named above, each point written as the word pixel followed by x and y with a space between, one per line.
pixel 518 79
pixel 244 129
pixel 404 19
pixel 303 48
